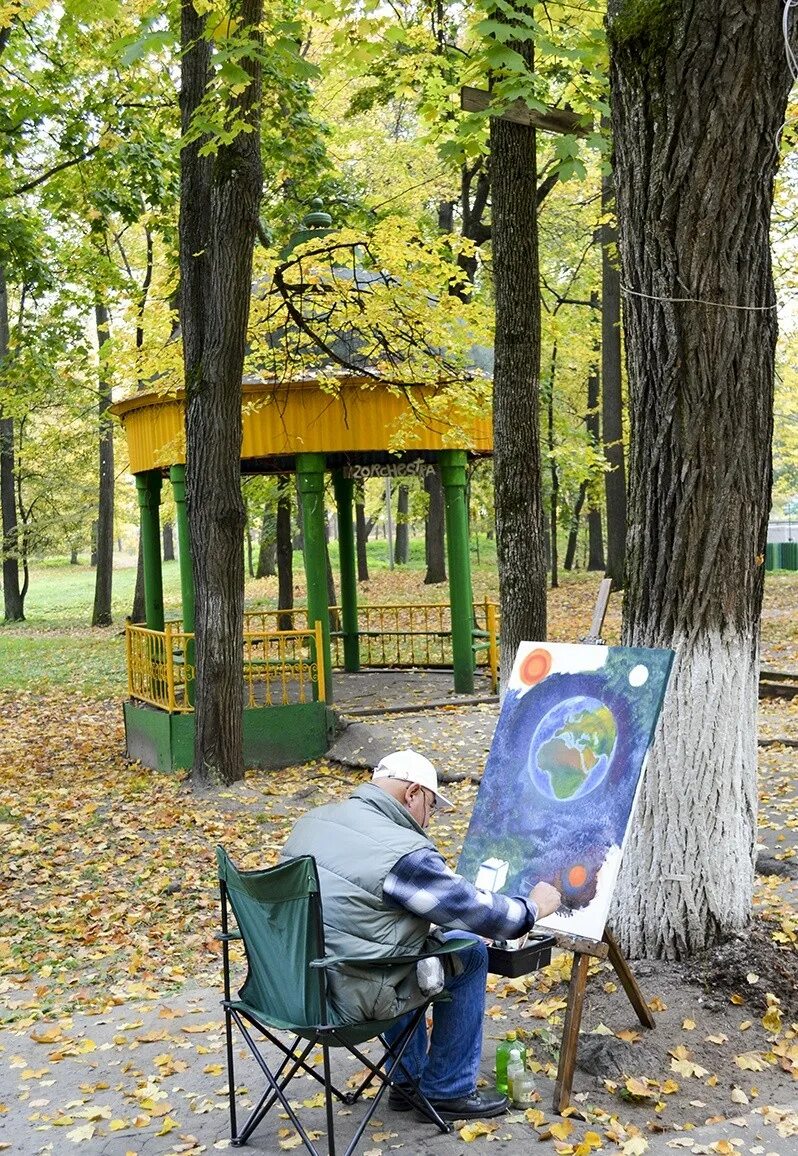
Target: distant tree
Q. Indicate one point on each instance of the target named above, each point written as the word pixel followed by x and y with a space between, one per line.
pixel 103 580
pixel 434 530
pixel 401 552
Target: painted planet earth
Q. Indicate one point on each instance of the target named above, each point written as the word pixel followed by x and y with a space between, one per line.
pixel 572 748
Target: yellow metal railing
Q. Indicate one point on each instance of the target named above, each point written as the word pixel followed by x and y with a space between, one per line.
pixel 400 635
pixel 279 667
pixel 280 658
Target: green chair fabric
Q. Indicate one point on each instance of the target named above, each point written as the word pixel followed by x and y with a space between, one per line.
pixel 278 913
pixel 277 921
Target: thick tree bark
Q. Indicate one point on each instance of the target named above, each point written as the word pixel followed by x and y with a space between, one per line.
pixel 103 579
pixel 612 391
pixel 516 384
pixel 219 199
pixel 699 91
pixel 401 551
pixel 434 530
pixel 285 553
pixel 13 602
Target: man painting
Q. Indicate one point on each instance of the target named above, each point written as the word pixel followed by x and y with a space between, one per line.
pixel 384 884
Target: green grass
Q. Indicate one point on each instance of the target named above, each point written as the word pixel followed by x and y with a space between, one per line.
pixel 93 663
pixel 56 647
pixel 62 596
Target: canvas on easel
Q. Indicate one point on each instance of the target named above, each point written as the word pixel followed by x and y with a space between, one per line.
pixel 564 771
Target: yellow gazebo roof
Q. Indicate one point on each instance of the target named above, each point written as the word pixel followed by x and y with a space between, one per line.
pixel 360 420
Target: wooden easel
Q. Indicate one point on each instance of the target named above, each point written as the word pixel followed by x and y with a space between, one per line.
pixel 585 949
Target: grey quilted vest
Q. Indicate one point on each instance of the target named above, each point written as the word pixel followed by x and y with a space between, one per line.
pixel 355 844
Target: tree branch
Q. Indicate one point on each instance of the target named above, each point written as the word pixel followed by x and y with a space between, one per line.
pixel 42 177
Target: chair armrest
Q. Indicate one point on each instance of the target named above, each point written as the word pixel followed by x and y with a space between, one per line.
pixel 447 948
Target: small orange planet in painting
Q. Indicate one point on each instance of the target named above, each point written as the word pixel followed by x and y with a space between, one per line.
pixel 535 666
pixel 577 875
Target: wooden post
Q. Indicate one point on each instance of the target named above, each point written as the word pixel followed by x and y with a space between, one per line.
pixel 570 1032
pixel 630 984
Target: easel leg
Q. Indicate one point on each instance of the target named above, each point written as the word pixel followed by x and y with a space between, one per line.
pixel 570 1034
pixel 630 985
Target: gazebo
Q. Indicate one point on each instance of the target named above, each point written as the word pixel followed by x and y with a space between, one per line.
pixel 298 427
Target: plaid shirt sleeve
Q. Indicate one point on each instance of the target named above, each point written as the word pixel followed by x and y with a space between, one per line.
pixel 422 882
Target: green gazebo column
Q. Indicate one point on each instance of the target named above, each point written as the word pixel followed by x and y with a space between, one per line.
pixel 177 476
pixel 453 476
pixel 148 485
pixel 310 479
pixel 344 497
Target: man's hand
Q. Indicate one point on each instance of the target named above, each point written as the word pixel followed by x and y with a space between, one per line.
pixel 546 898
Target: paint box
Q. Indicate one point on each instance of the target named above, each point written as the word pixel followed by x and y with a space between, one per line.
pixel 504 961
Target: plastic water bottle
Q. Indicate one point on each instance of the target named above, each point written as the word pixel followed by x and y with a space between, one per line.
pixel 515 1070
pixel 523 1089
pixel 504 1053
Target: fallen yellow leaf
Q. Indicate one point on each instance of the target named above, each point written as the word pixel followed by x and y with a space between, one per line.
pixel 169 1124
pixel 47 1035
pixel 635 1146
pixel 473 1131
pixel 771 1020
pixel 638 1088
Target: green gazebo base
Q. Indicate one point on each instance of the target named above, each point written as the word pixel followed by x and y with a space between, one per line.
pixel 275 736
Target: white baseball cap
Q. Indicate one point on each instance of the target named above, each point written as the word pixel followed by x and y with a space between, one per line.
pixel 411 767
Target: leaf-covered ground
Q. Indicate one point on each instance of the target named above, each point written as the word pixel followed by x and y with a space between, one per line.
pixel 109 967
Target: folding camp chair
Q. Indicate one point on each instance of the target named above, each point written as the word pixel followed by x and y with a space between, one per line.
pixel 278 912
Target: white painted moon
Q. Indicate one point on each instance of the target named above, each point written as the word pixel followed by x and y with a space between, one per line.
pixel 638 675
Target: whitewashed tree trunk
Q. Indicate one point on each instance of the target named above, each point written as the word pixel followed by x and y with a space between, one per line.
pixel 698 94
pixel 689 866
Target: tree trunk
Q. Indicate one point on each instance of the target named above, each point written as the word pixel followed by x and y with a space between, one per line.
pixel 250 559
pixel 285 552
pixel 73 556
pixel 554 474
pixel 402 544
pixel 137 611
pixel 219 199
pixel 103 579
pixel 332 598
pixel 612 391
pixel 595 537
pixel 13 602
pixel 362 531
pixel 516 382
pixel 434 530
pixel 573 533
pixel 168 542
pixel 699 91
pixel 267 551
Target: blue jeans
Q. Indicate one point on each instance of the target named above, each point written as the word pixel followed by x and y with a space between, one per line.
pixel 449 1061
